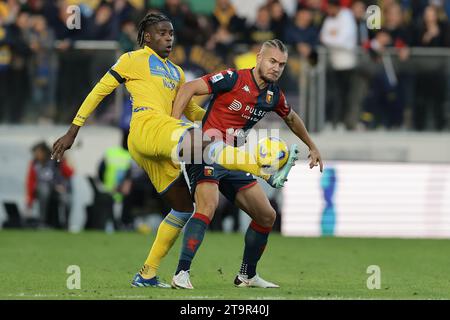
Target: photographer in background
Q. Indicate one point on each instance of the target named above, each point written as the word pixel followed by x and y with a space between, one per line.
pixel 49 183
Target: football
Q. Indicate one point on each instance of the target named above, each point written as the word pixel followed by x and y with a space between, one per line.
pixel 271 154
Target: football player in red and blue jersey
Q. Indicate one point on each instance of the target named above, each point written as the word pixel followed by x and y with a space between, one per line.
pixel 240 98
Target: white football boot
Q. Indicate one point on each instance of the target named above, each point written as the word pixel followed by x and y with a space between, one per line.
pixel 243 281
pixel 182 280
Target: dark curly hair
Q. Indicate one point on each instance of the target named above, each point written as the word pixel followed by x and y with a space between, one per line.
pixel 149 19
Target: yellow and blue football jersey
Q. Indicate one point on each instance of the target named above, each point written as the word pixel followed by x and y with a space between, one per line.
pixel 153 83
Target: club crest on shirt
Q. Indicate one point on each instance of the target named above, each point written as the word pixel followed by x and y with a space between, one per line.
pixel 208 171
pixel 269 97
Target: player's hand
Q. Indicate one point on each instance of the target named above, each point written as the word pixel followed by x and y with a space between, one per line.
pixel 61 145
pixel 315 159
pixel 64 143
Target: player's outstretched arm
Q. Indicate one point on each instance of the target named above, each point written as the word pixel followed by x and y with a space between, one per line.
pixel 295 123
pixel 104 87
pixel 110 81
pixel 65 142
pixel 192 88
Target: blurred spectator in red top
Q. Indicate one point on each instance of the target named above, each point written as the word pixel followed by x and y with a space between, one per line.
pixel 49 182
pixel 343 3
pixel 322 4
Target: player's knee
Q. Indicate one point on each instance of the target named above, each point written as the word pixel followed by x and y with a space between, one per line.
pixel 268 218
pixel 207 208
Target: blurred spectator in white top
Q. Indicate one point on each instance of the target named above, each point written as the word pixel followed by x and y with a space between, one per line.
pixel 339 35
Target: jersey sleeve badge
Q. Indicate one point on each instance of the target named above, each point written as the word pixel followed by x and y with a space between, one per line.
pixel 216 77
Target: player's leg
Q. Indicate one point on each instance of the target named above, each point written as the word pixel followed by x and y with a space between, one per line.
pixel 233 158
pixel 218 152
pixel 179 199
pixel 153 155
pixel 255 203
pixel 204 182
pixel 206 200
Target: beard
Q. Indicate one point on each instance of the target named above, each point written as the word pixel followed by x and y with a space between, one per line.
pixel 263 77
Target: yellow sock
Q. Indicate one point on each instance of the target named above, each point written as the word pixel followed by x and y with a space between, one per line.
pixel 232 158
pixel 165 238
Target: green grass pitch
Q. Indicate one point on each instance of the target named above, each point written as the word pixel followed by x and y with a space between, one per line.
pixel 33 265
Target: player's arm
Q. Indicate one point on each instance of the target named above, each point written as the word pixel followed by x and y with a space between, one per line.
pixel 295 123
pixel 211 83
pixel 106 85
pixel 111 80
pixel 192 88
pixel 194 112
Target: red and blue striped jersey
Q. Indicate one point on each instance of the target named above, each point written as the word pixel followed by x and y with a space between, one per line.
pixel 237 103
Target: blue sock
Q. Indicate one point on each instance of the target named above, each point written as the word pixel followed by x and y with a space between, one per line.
pixel 255 243
pixel 193 236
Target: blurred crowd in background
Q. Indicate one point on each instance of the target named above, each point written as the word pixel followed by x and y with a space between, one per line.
pixel 44 77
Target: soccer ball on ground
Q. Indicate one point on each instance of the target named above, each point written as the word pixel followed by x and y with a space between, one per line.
pixel 271 154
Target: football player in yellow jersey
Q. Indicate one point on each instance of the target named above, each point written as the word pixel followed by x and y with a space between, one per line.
pixel 153 81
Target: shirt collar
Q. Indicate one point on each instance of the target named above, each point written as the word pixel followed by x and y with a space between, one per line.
pixel 151 51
